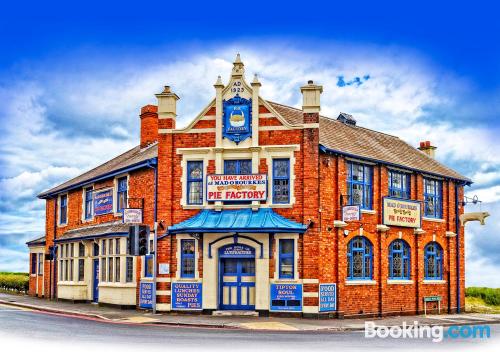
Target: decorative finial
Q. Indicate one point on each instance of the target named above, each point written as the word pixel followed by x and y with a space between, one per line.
pixel 255 81
pixel 238 59
pixel 238 67
pixel 219 82
pixel 166 89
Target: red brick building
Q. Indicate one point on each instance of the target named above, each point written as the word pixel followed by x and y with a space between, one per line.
pixel 259 206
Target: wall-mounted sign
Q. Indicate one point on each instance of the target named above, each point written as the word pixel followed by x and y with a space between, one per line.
pixel 163 268
pixel 398 212
pixel 286 297
pixel 351 213
pixel 327 297
pixel 132 216
pixel 237 250
pixel 237 119
pixel 103 202
pixel 186 295
pixel 146 295
pixel 236 187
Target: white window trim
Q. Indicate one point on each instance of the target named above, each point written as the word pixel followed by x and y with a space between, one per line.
pixel 84 190
pixel 59 209
pixel 178 276
pixel 204 157
pixel 115 193
pixel 286 236
pixel 280 154
pixel 360 282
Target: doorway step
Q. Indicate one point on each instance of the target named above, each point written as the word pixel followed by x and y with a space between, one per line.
pixel 235 313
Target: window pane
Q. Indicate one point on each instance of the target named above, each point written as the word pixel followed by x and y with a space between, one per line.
pixel 188 266
pixel 245 167
pixel 110 269
pixel 286 246
pixel 230 266
pixel 230 167
pixel 187 246
pixel 81 269
pixel 130 269
pixel 117 269
pixel 248 266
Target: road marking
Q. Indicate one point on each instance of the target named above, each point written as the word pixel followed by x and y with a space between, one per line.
pixel 271 325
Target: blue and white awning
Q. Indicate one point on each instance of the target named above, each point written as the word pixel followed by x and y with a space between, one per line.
pixel 264 220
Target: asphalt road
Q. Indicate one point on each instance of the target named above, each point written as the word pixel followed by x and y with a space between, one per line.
pixel 25 329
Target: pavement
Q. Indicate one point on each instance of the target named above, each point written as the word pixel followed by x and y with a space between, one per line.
pixel 116 315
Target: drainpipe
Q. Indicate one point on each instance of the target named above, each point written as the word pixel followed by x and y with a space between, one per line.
pixel 53 268
pixel 155 237
pixel 457 227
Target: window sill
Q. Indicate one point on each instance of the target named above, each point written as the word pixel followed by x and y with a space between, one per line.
pixel 368 211
pixel 187 279
pixel 281 205
pixel 285 281
pixel 71 283
pixel 434 282
pixel 433 219
pixel 62 225
pixel 117 285
pixel 360 282
pixel 400 282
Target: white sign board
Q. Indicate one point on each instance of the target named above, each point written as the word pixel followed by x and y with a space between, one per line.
pixel 351 213
pixel 236 188
pixel 132 216
pixel 163 268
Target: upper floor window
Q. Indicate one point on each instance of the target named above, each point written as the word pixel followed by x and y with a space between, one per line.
pixel 286 258
pixel 281 181
pixel 63 209
pixel 88 203
pixel 238 167
pixel 432 198
pixel 399 260
pixel 122 194
pixel 359 185
pixel 359 259
pixel 187 258
pixel 433 261
pixel 195 182
pixel 399 184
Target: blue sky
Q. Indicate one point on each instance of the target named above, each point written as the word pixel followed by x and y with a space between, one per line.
pixel 74 75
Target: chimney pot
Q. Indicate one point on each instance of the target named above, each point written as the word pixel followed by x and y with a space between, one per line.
pixel 310 81
pixel 427 148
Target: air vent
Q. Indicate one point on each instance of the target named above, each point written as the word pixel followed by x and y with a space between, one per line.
pixel 347 119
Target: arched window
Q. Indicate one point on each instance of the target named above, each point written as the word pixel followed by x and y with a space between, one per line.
pixel 359 259
pixel 399 260
pixel 433 261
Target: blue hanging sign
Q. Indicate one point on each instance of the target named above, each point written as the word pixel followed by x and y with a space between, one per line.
pixel 237 250
pixel 103 202
pixel 186 295
pixel 286 297
pixel 327 297
pixel 237 119
pixel 146 295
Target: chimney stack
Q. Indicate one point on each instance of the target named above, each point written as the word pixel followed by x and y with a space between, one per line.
pixel 167 107
pixel 149 125
pixel 428 149
pixel 311 101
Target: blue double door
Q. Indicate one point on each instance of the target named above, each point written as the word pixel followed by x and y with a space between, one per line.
pixel 237 283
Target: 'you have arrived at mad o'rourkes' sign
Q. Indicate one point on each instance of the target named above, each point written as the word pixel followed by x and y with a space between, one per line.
pixel 236 187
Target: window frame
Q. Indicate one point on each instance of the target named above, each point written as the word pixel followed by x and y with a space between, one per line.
pixel 65 207
pixel 438 256
pixel 367 182
pixel 88 204
pixel 120 191
pixel 282 256
pixel 40 264
pixel 148 257
pixel 350 254
pixel 34 257
pixel 405 259
pixel 405 188
pixel 188 256
pixel 287 178
pixel 437 197
pixel 190 180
